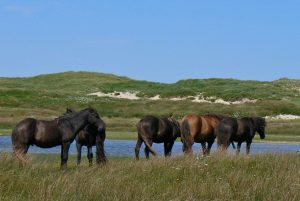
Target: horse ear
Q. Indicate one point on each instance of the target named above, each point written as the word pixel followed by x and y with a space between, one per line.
pixel 262 121
pixel 70 110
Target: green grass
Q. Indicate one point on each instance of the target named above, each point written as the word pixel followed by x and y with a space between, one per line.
pixel 47 96
pixel 258 177
pixel 87 82
pixel 121 135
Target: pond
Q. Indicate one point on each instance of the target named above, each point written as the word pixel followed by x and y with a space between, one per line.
pixel 126 148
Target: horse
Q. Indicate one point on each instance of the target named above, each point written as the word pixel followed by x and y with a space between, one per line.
pixel 240 130
pixel 87 137
pixel 60 131
pixel 158 130
pixel 199 129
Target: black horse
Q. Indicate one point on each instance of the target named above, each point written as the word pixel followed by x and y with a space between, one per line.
pixel 87 137
pixel 159 130
pixel 60 131
pixel 239 130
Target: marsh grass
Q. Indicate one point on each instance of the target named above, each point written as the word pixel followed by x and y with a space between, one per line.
pixel 258 177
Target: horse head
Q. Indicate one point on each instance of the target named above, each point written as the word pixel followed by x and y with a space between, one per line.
pixel 260 124
pixel 69 110
pixel 95 120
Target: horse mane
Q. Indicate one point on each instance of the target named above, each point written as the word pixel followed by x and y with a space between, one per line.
pixel 69 116
pixel 175 123
pixel 256 121
pixel 171 119
pixel 259 120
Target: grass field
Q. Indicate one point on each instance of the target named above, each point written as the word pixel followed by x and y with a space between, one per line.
pixel 258 177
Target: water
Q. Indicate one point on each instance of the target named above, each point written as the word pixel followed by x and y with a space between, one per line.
pixel 126 148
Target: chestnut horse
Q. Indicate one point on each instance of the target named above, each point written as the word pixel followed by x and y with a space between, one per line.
pixel 45 134
pixel 159 130
pixel 199 129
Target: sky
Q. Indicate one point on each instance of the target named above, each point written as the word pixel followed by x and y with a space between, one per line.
pixel 156 40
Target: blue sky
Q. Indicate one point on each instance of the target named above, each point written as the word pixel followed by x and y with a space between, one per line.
pixel 152 40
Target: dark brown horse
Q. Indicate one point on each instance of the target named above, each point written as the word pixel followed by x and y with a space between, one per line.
pixel 87 137
pixel 46 134
pixel 199 129
pixel 239 130
pixel 159 130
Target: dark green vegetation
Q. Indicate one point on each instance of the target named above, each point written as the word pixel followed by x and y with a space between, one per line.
pixel 258 177
pixel 47 96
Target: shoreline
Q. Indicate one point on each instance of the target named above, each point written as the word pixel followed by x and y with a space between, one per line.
pixel 254 141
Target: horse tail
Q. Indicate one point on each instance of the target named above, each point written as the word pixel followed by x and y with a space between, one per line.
pixel 185 131
pixel 233 146
pixel 14 136
pixel 22 135
pixel 141 130
pixel 223 133
pixel 147 144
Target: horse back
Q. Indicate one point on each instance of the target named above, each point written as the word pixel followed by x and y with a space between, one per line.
pixel 209 124
pixel 50 133
pixel 148 126
pixel 156 129
pixel 245 129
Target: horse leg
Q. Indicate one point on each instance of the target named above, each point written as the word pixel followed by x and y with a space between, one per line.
pixel 19 152
pixel 147 150
pixel 209 147
pixel 90 155
pixel 203 145
pixel 79 146
pixel 64 154
pixel 166 148
pixel 138 147
pixel 170 146
pixel 248 148
pixel 238 149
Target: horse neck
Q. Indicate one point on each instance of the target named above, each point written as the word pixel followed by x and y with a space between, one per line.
pixel 78 122
pixel 255 125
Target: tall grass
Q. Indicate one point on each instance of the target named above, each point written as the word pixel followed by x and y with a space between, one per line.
pixel 258 177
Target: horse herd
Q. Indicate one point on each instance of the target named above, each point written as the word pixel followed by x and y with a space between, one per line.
pixel 88 129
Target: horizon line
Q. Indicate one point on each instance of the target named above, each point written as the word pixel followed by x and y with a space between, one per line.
pixel 137 79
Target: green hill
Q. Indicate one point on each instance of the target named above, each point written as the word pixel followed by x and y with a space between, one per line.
pixel 47 96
